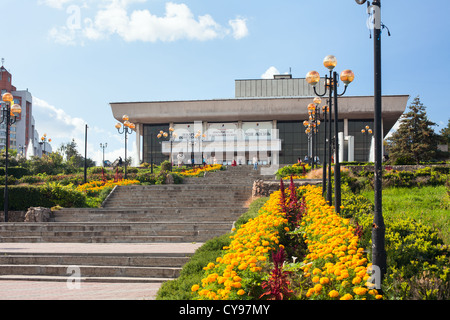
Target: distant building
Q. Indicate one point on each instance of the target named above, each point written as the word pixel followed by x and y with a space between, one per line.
pixel 23 136
pixel 265 119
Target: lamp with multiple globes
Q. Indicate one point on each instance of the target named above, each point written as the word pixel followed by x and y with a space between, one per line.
pixel 331 84
pixel 171 135
pixel 128 128
pixel 10 113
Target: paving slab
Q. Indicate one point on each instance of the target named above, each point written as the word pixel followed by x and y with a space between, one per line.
pixel 46 289
pixel 135 248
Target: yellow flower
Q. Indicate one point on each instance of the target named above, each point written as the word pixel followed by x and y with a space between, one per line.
pixel 347 296
pixel 324 280
pixel 241 292
pixel 195 287
pixel 317 288
pixel 356 280
pixel 360 291
pixel 333 294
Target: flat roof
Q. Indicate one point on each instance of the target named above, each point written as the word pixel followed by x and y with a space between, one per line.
pixel 254 109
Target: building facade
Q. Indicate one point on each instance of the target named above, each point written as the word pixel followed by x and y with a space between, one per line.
pixel 23 136
pixel 264 121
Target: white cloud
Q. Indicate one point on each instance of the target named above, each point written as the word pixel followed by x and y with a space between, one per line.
pixel 270 73
pixel 63 35
pixel 62 124
pixel 62 128
pixel 57 4
pixel 239 27
pixel 113 19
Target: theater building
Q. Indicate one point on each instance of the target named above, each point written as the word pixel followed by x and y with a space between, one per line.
pixel 264 119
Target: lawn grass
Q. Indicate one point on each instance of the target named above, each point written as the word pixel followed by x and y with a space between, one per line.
pixel 429 205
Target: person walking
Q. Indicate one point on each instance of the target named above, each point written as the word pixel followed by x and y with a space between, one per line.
pixel 255 163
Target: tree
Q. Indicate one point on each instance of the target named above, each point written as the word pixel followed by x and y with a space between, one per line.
pixel 415 139
pixel 445 134
pixel 69 149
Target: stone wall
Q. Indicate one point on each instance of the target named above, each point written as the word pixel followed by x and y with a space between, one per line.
pixel 13 216
pixel 37 214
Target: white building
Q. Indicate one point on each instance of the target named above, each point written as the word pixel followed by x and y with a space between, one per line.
pixel 23 136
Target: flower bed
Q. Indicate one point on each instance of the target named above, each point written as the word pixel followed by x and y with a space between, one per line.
pixel 332 265
pixel 200 171
pixel 237 273
pixel 335 265
pixel 94 187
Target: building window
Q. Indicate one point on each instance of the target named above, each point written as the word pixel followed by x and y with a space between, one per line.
pixel 294 141
pixel 362 141
pixel 151 143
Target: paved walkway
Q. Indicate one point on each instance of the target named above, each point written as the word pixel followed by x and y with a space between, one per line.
pixel 62 290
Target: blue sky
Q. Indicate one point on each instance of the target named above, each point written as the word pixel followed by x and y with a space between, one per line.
pixel 77 56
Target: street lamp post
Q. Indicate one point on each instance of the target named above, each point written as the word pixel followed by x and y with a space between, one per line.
pixel 366 132
pixel 127 129
pixel 9 109
pixel 103 146
pixel 325 110
pixel 331 83
pixel 378 229
pixel 199 138
pixel 44 140
pixel 171 135
pixel 312 129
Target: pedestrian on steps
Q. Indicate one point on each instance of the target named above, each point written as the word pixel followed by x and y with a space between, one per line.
pixel 255 163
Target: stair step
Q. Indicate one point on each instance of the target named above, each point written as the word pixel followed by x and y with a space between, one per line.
pixel 83 279
pixel 196 211
pixel 91 271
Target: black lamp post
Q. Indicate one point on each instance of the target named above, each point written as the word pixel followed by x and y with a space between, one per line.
pixel 347 77
pixel 9 109
pixel 312 129
pixel 103 146
pixel 44 140
pixel 171 135
pixel 127 129
pixel 366 132
pixel 326 110
pixel 378 229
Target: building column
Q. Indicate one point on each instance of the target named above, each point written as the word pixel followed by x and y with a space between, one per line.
pixel 138 144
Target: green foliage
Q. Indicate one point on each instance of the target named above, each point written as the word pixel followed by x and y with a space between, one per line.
pixel 252 212
pixel 146 177
pixel 295 170
pixel 166 165
pixel 417 258
pixel 192 272
pixel 16 172
pixel 415 140
pixel 433 176
pixel 23 197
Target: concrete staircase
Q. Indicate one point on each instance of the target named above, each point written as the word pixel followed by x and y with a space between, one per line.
pixel 94 267
pixel 196 211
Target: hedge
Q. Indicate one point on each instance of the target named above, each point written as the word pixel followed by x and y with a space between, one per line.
pixel 23 197
pixel 16 172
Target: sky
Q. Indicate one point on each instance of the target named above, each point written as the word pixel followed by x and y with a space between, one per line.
pixel 77 56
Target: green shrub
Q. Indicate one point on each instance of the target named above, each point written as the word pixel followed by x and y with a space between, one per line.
pixel 295 170
pixel 177 179
pixel 16 172
pixel 23 197
pixel 166 165
pixel 192 272
pixel 417 259
pixel 146 177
